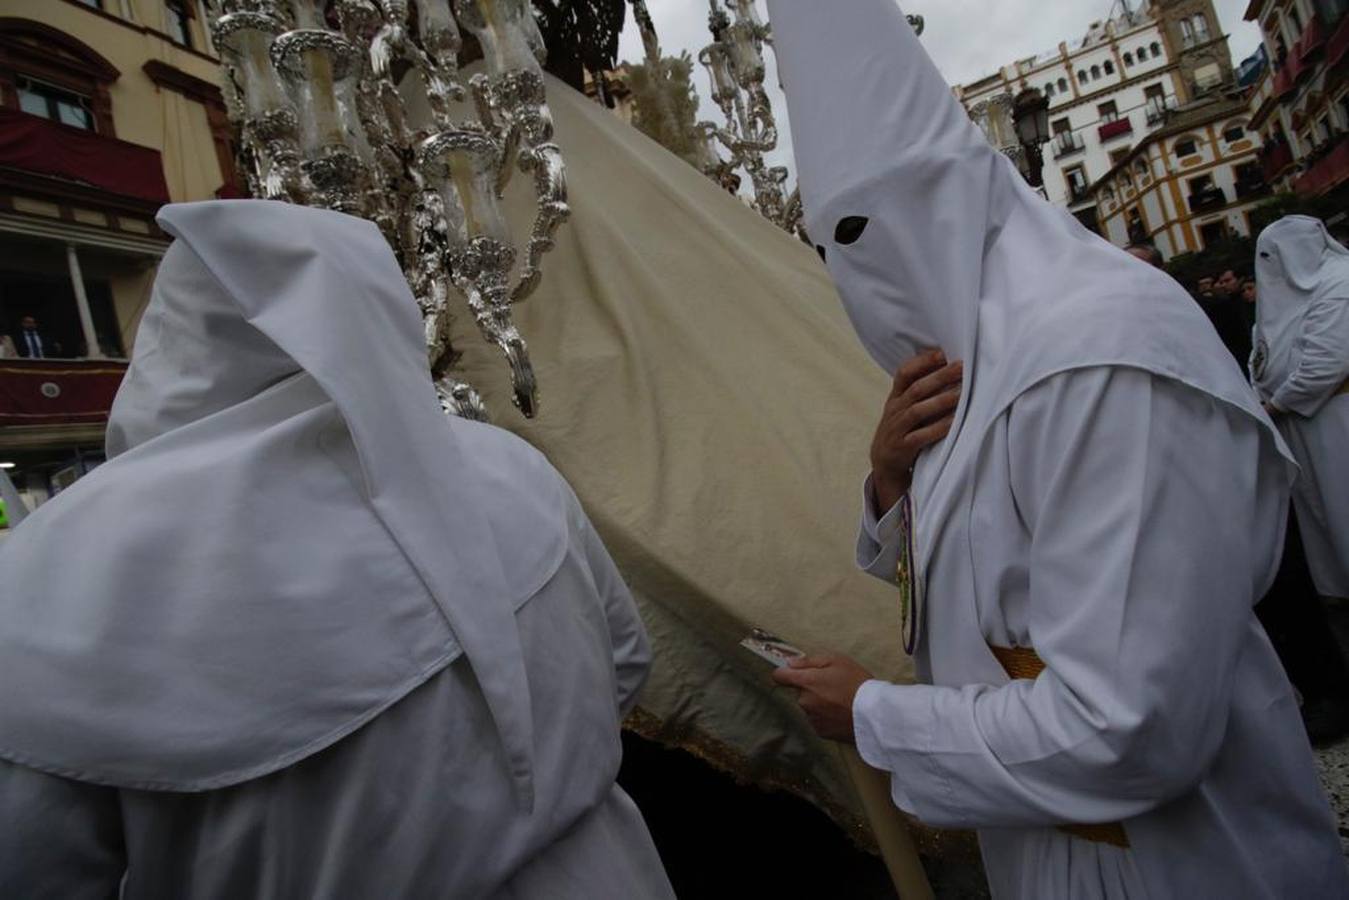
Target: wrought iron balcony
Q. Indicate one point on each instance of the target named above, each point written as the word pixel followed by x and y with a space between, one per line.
pixel 1157 110
pixel 1252 186
pixel 1068 143
pixel 1330 169
pixel 1208 198
pixel 1276 157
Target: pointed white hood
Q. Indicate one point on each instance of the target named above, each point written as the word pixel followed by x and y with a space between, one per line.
pixel 1298 266
pixel 289 535
pixel 957 251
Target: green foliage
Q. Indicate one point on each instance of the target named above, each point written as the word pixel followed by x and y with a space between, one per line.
pixel 1325 207
pixel 1235 253
pixel 665 105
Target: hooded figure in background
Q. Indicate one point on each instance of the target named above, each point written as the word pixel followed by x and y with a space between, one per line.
pixel 303 636
pixel 1077 553
pixel 1300 368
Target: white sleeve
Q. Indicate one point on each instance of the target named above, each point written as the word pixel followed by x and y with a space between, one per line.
pixel 1324 363
pixel 61 838
pixel 878 539
pixel 632 650
pixel 1142 500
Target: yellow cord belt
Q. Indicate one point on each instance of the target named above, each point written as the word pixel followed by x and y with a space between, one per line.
pixel 1025 663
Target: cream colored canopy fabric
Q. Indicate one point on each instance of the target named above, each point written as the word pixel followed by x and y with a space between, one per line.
pixel 705 395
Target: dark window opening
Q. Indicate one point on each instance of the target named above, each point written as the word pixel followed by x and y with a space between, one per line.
pixel 179 22
pixel 40 99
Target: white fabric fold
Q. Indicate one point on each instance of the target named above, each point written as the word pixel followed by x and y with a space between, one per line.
pixel 957 251
pixel 1300 365
pixel 289 535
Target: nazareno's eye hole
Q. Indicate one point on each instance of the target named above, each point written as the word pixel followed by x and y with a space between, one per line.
pixel 1264 254
pixel 819 248
pixel 850 229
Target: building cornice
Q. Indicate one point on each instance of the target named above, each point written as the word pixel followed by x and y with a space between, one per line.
pixel 190 86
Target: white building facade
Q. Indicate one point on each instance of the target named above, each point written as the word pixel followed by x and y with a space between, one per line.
pixel 1109 90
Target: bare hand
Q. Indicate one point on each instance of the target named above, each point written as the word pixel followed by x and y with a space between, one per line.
pixel 918 413
pixel 827 685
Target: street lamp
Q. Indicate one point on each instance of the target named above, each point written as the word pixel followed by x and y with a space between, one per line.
pixel 1030 115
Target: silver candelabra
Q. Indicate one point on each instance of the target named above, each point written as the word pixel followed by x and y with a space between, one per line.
pixel 357 106
pixel 735 64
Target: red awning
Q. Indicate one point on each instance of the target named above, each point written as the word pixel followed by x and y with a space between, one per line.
pixel 34 144
pixel 57 391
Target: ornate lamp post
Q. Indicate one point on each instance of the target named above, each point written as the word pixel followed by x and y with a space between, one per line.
pixel 318 90
pixel 1030 115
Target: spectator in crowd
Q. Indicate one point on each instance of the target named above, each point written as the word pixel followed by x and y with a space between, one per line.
pixel 1248 292
pixel 32 343
pixel 1217 296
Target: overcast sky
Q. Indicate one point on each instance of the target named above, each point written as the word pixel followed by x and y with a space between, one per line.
pixel 968 38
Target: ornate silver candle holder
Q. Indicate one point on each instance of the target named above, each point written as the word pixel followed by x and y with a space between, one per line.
pixel 354 105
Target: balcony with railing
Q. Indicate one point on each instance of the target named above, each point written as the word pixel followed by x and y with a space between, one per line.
pixel 1276 157
pixel 1118 128
pixel 45 394
pixel 1337 46
pixel 1207 199
pixel 1329 168
pixel 1313 38
pixel 38 146
pixel 1158 109
pixel 1250 186
pixel 1068 143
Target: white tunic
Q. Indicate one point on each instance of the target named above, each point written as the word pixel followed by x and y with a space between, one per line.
pixel 417 804
pixel 1300 365
pixel 1117 527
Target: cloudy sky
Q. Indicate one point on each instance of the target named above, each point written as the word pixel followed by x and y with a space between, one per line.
pixel 967 38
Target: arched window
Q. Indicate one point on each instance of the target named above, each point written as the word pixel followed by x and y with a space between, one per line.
pixel 1081 76
pixel 1095 73
pixel 48 73
pixel 1141 168
pixel 1063 85
pixel 1109 67
pixel 1186 145
pixel 1128 59
pixel 1234 131
pixel 1049 89
pixel 1156 49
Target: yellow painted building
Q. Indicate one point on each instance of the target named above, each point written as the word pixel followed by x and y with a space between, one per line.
pixel 108 110
pixel 1188 185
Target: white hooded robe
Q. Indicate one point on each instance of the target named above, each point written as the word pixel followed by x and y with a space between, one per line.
pixel 1111 496
pixel 302 635
pixel 1301 366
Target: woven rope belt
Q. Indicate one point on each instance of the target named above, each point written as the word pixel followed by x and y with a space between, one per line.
pixel 1024 663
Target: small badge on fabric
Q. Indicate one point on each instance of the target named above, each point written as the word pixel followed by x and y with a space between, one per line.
pixel 771 648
